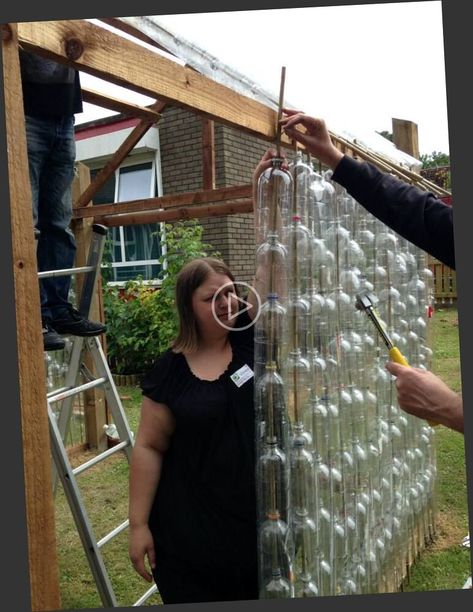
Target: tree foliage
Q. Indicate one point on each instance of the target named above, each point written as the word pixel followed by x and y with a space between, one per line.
pixel 436 159
pixel 386 134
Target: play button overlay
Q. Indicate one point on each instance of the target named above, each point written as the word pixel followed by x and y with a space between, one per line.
pixel 243 305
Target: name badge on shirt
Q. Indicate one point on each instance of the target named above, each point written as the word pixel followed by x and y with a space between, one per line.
pixel 242 375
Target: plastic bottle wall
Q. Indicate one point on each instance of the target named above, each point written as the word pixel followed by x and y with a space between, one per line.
pixel 345 479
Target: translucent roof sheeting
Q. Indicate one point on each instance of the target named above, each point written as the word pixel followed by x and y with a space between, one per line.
pixel 207 64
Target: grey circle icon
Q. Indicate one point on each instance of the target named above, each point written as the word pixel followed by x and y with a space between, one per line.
pixel 244 306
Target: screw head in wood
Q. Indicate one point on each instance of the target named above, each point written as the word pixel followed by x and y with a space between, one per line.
pixel 74 48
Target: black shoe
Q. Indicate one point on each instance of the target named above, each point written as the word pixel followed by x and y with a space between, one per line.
pixel 51 340
pixel 74 323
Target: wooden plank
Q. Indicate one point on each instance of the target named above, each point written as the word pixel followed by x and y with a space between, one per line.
pixel 94 401
pixel 179 213
pixel 167 201
pixel 405 136
pixel 208 154
pixel 123 62
pixel 120 106
pixel 454 283
pixel 42 555
pixel 114 162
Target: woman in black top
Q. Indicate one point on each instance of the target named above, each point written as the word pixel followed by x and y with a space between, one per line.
pixel 196 441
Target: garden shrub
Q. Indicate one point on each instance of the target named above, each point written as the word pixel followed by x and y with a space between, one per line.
pixel 141 320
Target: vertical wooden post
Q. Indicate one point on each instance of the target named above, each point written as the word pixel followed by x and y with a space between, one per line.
pixel 208 154
pixel 94 401
pixel 44 578
pixel 405 136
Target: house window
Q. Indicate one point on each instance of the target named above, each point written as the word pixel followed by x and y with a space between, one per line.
pixel 132 250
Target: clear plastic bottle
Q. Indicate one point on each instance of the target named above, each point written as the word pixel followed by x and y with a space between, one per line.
pixel 303 525
pixel 274 199
pixel 302 176
pixel 271 266
pixel 270 335
pixel 275 558
pixel 272 417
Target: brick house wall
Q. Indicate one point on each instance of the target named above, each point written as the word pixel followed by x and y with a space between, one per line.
pixel 236 155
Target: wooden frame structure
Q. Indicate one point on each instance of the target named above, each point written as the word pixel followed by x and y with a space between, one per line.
pixel 115 59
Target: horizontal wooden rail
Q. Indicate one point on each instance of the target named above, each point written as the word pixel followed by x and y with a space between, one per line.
pixel 176 200
pixel 179 213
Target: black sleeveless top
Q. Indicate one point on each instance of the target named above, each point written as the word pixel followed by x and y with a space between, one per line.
pixel 204 510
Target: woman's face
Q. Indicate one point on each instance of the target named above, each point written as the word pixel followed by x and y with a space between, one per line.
pixel 214 303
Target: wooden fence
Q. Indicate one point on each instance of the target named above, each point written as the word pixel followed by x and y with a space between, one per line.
pixel 445 282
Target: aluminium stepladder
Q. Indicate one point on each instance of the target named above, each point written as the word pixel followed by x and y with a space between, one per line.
pixel 59 424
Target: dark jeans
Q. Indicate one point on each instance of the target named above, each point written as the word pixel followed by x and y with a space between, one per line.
pixel 51 157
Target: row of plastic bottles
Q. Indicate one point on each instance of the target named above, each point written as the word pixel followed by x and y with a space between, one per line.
pixel 345 479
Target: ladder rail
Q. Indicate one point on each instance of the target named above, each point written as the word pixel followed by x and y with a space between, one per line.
pixel 80 516
pixel 65 411
pixel 111 393
pixel 94 260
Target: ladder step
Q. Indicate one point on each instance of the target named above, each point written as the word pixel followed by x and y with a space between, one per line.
pixel 113 533
pixel 146 596
pixel 57 397
pixel 65 271
pixel 101 457
pixel 58 390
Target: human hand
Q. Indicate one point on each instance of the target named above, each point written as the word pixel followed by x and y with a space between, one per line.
pixel 265 163
pixel 426 396
pixel 141 545
pixel 316 136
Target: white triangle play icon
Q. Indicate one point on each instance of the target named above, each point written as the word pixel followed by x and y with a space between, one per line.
pixel 240 300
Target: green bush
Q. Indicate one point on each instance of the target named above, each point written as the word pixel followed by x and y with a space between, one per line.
pixel 142 321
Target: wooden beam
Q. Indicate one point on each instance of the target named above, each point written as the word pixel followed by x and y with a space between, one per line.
pixel 115 59
pixel 42 555
pixel 120 106
pixel 127 145
pixel 208 154
pixel 179 213
pixel 167 201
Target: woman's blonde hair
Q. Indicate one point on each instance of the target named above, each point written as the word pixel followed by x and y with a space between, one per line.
pixel 191 276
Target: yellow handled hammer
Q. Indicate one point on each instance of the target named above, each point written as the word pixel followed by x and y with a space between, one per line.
pixel 366 302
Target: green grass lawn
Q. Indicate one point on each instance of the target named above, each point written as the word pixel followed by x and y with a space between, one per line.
pixel 443 565
pixel 446 564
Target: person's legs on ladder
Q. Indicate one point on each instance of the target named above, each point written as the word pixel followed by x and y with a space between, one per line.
pixel 51 154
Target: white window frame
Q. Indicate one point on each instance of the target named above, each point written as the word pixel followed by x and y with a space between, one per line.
pixel 150 152
pixel 155 177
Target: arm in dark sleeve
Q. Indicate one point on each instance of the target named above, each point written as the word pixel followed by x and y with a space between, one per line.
pixel 415 214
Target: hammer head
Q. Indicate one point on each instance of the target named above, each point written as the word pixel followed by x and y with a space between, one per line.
pixel 365 300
